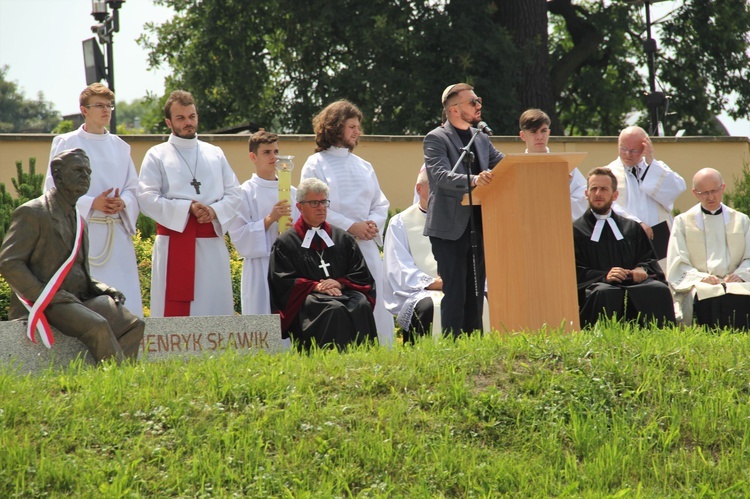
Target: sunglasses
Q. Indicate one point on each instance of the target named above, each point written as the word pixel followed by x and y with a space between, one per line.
pixel 473 102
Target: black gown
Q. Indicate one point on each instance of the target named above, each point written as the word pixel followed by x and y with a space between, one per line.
pixel 311 317
pixel 646 301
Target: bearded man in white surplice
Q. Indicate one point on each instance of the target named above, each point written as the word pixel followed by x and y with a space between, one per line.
pixel 358 206
pixel 189 189
pixel 708 259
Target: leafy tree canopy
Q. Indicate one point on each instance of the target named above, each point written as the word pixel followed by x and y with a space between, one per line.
pixel 18 114
pixel 277 62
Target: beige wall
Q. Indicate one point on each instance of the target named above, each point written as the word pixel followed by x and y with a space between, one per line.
pixel 397 159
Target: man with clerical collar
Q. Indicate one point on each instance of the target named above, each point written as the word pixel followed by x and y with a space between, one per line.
pixel 647 187
pixel 708 259
pixel 616 268
pixel 44 259
pixel 357 203
pixel 189 189
pixel 448 221
pixel 318 278
pixel 535 132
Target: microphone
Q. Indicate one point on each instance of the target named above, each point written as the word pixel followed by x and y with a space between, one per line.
pixel 482 127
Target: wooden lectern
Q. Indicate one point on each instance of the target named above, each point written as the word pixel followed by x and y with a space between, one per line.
pixel 528 242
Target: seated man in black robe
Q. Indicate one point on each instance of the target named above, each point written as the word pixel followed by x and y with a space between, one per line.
pixel 616 268
pixel 318 278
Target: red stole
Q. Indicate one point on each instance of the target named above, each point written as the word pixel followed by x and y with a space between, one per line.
pixel 180 289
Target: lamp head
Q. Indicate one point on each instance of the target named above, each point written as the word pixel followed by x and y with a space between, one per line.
pixel 99 10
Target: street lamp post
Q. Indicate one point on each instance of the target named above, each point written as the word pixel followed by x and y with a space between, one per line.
pixel 107 25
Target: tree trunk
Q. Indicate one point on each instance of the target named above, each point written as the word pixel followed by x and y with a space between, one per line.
pixel 526 21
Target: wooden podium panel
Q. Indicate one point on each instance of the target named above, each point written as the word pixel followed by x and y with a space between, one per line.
pixel 528 242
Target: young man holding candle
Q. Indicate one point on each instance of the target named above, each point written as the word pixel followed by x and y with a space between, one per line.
pixel 256 226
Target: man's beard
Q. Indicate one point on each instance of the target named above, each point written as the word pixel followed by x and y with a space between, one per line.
pixel 603 210
pixel 181 133
pixel 350 145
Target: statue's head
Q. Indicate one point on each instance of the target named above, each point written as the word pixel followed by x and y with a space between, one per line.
pixel 71 171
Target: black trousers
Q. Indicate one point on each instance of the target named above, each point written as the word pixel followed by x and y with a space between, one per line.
pixel 461 307
pixel 421 321
pixel 647 301
pixel 726 311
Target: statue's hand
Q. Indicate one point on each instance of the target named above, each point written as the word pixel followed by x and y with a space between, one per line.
pixel 116 295
pixel 63 296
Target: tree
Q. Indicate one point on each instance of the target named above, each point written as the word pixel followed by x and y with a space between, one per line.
pixel 705 63
pixel 140 115
pixel 277 62
pixel 18 114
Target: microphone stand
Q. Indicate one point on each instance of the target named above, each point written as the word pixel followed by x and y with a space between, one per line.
pixel 467 157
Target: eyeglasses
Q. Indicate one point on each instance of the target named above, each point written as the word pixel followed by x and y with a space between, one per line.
pixel 317 202
pixel 473 102
pixel 713 192
pixel 99 106
pixel 625 150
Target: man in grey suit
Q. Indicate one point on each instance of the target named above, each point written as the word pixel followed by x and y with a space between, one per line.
pixel 447 222
pixel 41 238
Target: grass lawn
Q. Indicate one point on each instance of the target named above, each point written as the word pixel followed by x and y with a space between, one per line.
pixel 618 412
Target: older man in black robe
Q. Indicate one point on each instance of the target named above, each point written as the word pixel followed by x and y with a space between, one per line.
pixel 318 278
pixel 616 268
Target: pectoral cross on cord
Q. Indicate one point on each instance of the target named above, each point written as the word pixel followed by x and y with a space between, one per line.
pixel 193 171
pixel 323 265
pixel 197 186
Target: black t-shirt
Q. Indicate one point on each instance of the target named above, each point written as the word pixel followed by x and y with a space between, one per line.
pixel 465 136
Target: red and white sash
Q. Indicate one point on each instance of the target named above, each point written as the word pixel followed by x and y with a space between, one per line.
pixel 37 321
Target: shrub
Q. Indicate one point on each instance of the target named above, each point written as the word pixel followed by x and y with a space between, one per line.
pixel 27 185
pixel 143 249
pixel 739 197
pixel 146 226
pixel 4 299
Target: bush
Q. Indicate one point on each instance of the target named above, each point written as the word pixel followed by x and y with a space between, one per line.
pixel 146 226
pixel 64 126
pixel 4 299
pixel 739 197
pixel 144 247
pixel 27 185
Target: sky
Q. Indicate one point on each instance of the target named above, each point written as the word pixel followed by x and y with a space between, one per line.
pixel 41 42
